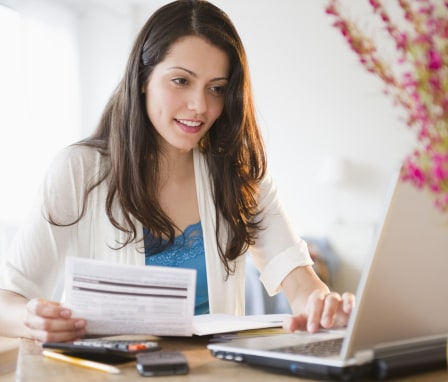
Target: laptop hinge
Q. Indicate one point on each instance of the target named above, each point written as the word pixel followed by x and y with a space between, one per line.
pixel 364 356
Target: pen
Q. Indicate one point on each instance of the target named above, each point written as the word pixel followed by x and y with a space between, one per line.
pixel 81 362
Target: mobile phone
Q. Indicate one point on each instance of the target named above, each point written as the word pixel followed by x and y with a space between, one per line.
pixel 161 362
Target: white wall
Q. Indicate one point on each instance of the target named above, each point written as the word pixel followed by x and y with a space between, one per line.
pixel 318 109
pixel 105 36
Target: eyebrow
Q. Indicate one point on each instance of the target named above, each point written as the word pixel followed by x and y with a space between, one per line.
pixel 195 75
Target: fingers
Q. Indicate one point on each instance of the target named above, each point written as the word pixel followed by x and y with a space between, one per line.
pixel 49 309
pixel 345 309
pixel 323 310
pixel 294 323
pixel 348 302
pixel 50 322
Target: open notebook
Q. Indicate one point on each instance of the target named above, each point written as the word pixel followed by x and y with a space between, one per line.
pixel 400 322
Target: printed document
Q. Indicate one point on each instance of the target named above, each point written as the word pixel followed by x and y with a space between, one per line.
pixel 118 299
pixel 130 299
pixel 207 324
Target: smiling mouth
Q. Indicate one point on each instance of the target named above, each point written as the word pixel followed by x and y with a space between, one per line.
pixel 189 123
pixel 189 126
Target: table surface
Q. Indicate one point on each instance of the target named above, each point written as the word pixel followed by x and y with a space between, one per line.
pixel 32 366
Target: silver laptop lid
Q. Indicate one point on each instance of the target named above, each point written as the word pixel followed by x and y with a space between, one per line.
pixel 403 292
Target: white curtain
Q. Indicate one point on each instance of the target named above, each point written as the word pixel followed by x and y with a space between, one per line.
pixel 39 100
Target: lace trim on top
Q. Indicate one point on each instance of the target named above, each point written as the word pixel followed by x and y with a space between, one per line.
pixel 187 251
pixel 185 248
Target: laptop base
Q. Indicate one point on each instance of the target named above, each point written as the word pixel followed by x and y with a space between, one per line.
pixel 399 361
pixel 299 369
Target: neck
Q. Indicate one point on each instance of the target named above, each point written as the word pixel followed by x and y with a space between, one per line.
pixel 175 165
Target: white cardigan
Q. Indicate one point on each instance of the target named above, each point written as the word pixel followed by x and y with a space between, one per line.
pixel 35 263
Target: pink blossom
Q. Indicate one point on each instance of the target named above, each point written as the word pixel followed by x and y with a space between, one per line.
pixel 413 173
pixel 440 167
pixel 409 80
pixel 375 4
pixel 401 40
pixel 422 90
pixel 331 9
pixel 435 83
pixel 434 60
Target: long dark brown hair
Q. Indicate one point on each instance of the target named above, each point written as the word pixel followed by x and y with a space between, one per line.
pixel 233 146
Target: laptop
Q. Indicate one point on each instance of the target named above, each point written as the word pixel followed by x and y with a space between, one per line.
pixel 400 321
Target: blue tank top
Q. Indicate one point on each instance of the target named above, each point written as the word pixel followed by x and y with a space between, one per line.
pixel 187 251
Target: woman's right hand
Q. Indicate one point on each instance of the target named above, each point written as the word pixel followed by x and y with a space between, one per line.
pixel 49 321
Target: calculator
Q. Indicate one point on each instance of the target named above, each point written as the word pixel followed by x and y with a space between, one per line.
pixel 102 348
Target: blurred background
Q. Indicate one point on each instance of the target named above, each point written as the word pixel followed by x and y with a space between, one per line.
pixel 334 140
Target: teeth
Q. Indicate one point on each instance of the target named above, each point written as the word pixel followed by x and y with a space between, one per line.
pixel 189 123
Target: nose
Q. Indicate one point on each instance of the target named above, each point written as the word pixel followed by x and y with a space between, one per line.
pixel 197 102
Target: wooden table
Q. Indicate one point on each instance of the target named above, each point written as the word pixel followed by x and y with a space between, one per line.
pixel 32 366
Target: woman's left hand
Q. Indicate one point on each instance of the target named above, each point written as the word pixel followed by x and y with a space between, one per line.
pixel 323 310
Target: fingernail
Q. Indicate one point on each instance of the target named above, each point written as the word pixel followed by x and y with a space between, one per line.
pixel 287 324
pixel 312 327
pixel 326 321
pixel 80 332
pixel 65 313
pixel 80 324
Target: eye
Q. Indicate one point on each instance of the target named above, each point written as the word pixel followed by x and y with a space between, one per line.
pixel 218 90
pixel 180 81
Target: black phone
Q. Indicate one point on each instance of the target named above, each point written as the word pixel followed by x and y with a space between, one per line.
pixel 162 362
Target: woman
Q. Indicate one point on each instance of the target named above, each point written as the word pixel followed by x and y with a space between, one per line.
pixel 175 175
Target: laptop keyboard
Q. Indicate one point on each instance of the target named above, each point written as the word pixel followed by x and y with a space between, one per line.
pixel 324 348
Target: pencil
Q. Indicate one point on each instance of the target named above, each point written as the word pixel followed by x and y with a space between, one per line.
pixel 81 362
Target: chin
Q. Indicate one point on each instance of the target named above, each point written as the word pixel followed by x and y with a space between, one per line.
pixel 186 147
pixel 183 145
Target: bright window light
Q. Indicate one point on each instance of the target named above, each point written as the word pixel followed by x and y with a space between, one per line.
pixel 39 98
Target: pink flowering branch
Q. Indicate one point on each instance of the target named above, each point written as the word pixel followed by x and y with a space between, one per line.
pixel 417 80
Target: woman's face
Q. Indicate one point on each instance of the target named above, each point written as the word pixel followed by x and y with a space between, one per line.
pixel 185 92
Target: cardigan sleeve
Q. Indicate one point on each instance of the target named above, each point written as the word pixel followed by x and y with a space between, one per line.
pixel 34 265
pixel 278 249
